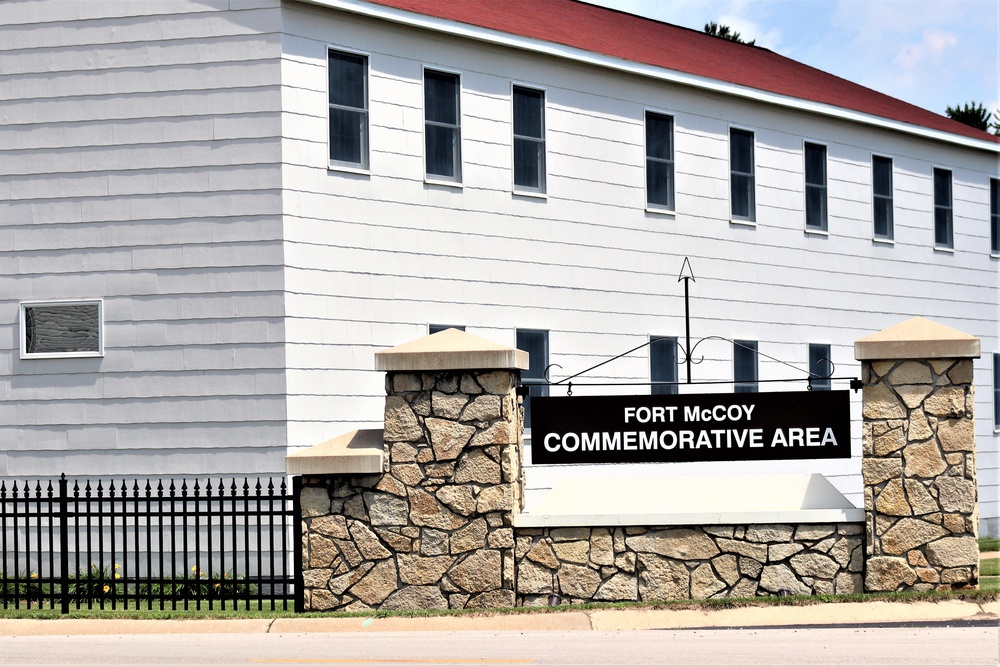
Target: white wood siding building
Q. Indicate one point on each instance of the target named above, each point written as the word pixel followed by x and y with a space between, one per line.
pixel 172 159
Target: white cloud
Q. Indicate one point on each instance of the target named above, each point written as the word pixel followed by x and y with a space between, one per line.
pixel 933 45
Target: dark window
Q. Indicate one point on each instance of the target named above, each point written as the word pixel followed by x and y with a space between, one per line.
pixel 995 216
pixel 659 161
pixel 529 139
pixel 442 125
pixel 348 109
pixel 744 366
pixel 536 344
pixel 996 392
pixel 815 186
pixel 943 232
pixel 820 367
pixel 663 365
pixel 882 197
pixel 741 174
pixel 61 329
pixel 435 328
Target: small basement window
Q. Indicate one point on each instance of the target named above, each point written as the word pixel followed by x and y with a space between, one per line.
pixel 56 329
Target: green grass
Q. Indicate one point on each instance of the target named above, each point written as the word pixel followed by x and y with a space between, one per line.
pixel 241 611
pixel 989 568
pixel 990 591
pixel 989 543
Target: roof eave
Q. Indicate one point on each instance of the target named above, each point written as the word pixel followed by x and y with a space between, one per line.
pixel 649 71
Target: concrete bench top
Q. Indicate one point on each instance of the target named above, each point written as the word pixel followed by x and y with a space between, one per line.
pixel 695 500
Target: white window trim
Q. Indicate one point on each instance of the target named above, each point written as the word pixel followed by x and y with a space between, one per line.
pixel 989 213
pixel 756 355
pixel 825 229
pixel 677 361
pixel 350 167
pixel 548 359
pixel 529 194
pixel 729 175
pixel 434 179
pixel 829 359
pixel 666 213
pixel 662 210
pixel 942 248
pixel 520 190
pixel 888 240
pixel 996 361
pixel 437 182
pixel 23 333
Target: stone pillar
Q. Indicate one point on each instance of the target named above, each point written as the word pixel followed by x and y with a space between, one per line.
pixel 919 458
pixel 434 529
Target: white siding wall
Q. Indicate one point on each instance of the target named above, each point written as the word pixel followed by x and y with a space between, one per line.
pixel 372 259
pixel 139 163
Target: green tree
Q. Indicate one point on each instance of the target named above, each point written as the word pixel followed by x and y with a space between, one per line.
pixel 973 114
pixel 725 32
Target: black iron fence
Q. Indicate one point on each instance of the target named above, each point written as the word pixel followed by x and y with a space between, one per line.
pixel 147 544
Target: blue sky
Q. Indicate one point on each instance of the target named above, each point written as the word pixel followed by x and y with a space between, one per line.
pixel 932 53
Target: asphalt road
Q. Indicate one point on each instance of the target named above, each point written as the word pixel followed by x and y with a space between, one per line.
pixel 958 643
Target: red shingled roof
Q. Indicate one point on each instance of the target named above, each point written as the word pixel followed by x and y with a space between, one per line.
pixel 621 35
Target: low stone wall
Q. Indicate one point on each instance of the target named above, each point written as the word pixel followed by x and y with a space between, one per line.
pixel 666 563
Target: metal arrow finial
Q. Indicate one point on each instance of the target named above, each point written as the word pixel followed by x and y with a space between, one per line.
pixel 686 272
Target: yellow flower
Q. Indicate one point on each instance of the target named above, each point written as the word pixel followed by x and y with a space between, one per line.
pixel 218 585
pixel 117 576
pixel 194 568
pixel 117 566
pixel 106 588
pixel 34 575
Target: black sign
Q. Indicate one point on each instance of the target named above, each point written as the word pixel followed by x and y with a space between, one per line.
pixel 691 427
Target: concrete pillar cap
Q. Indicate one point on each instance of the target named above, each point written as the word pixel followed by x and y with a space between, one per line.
pixel 450 350
pixel 917 338
pixel 356 452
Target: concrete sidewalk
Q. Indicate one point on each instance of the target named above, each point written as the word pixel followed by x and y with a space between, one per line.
pixel 610 619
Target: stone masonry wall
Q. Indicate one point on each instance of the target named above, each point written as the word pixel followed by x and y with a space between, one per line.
pixel 434 531
pixel 919 470
pixel 666 563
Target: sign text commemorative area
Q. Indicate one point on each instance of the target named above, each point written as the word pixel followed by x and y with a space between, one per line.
pixel 692 427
